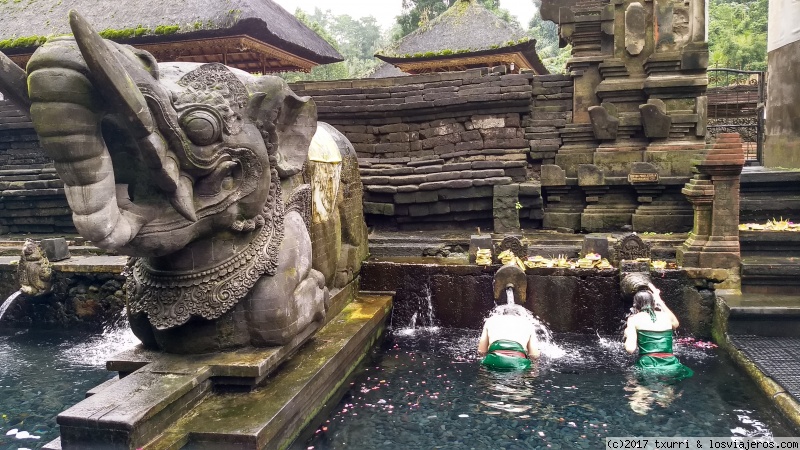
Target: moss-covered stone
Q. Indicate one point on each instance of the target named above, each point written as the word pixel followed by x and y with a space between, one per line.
pixel 167 29
pixel 22 42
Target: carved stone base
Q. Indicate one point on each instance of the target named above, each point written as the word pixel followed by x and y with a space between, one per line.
pixel 149 405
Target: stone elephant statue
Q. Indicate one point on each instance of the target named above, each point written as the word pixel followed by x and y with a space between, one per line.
pixel 200 173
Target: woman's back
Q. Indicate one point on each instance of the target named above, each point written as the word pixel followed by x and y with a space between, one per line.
pixel 643 321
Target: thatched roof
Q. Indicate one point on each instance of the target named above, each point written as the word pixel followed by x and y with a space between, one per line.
pixel 250 34
pixel 466 31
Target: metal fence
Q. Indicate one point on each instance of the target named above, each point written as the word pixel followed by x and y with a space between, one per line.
pixel 736 105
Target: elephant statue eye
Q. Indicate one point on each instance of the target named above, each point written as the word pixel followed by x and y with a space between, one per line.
pixel 202 127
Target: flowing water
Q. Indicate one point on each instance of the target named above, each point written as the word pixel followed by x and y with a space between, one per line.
pixel 426 389
pixel 44 372
pixel 9 301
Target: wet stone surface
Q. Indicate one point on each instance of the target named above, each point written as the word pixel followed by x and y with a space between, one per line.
pixel 427 390
pixel 44 373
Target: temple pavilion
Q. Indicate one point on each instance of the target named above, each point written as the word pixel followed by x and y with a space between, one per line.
pixel 465 36
pixel 252 35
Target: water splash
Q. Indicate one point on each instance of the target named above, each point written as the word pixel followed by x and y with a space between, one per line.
pixel 115 338
pixel 510 295
pixel 543 335
pixel 424 318
pixel 8 303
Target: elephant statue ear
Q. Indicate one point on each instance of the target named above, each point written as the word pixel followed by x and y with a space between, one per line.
pixel 289 121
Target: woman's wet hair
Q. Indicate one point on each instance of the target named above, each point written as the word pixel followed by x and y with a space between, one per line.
pixel 643 300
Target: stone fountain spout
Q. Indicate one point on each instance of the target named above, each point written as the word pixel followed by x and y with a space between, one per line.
pixel 633 282
pixel 34 270
pixel 511 278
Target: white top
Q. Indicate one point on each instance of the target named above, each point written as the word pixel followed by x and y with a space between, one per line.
pixel 510 328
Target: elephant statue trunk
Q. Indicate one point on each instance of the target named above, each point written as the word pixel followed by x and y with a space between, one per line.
pixel 183 167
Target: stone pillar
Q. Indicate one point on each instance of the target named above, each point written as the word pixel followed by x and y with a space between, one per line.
pixel 700 193
pixel 506 214
pixel 722 166
pixel 782 127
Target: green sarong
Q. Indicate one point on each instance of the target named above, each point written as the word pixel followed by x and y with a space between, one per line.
pixel 495 359
pixel 656 358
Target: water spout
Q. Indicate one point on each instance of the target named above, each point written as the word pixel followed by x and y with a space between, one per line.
pixel 11 298
pixel 512 281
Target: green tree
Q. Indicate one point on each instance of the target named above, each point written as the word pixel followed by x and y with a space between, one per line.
pixel 547 44
pixel 356 39
pixel 737 34
pixel 419 12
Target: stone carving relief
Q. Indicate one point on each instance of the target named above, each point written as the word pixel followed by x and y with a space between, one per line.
pixel 635 28
pixel 34 270
pixel 631 247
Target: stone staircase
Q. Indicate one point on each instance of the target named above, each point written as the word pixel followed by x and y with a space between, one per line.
pixel 769 304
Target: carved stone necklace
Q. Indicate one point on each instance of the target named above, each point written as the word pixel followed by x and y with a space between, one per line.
pixel 170 299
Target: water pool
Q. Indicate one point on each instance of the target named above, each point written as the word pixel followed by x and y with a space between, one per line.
pixel 425 389
pixel 45 372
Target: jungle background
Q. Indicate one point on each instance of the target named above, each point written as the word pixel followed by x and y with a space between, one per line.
pixel 737 36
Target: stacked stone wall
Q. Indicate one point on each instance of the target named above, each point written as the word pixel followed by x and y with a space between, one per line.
pixel 434 148
pixel 550 112
pixel 31 193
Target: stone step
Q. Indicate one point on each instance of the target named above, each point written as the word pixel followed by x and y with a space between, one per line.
pixel 769 243
pixel 271 416
pixel 770 274
pixel 763 314
pixel 148 406
pixel 400 248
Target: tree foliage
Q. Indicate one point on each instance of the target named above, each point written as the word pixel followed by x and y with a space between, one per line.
pixel 545 32
pixel 356 39
pixel 737 34
pixel 417 13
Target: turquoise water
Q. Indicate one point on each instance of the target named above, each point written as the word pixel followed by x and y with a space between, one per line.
pixel 43 373
pixel 426 390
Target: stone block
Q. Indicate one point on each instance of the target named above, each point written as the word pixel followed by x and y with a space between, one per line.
pixel 478 241
pixel 595 243
pixel 384 209
pixel 561 220
pixel 553 175
pixel 56 249
pixel 530 189
pixel 590 175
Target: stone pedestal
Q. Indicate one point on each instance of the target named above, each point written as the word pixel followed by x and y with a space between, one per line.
pixel 165 400
pixel 700 193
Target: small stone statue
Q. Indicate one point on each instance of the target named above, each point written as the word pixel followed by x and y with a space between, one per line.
pixel 34 270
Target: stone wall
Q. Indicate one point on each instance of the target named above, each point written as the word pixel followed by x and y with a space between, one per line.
pixel 31 193
pixel 434 148
pixel 85 300
pixel 567 300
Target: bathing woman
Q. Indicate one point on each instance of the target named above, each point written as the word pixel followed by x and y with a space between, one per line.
pixel 508 339
pixel 650 329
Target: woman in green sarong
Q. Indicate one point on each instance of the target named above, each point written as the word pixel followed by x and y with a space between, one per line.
pixel 650 329
pixel 508 339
